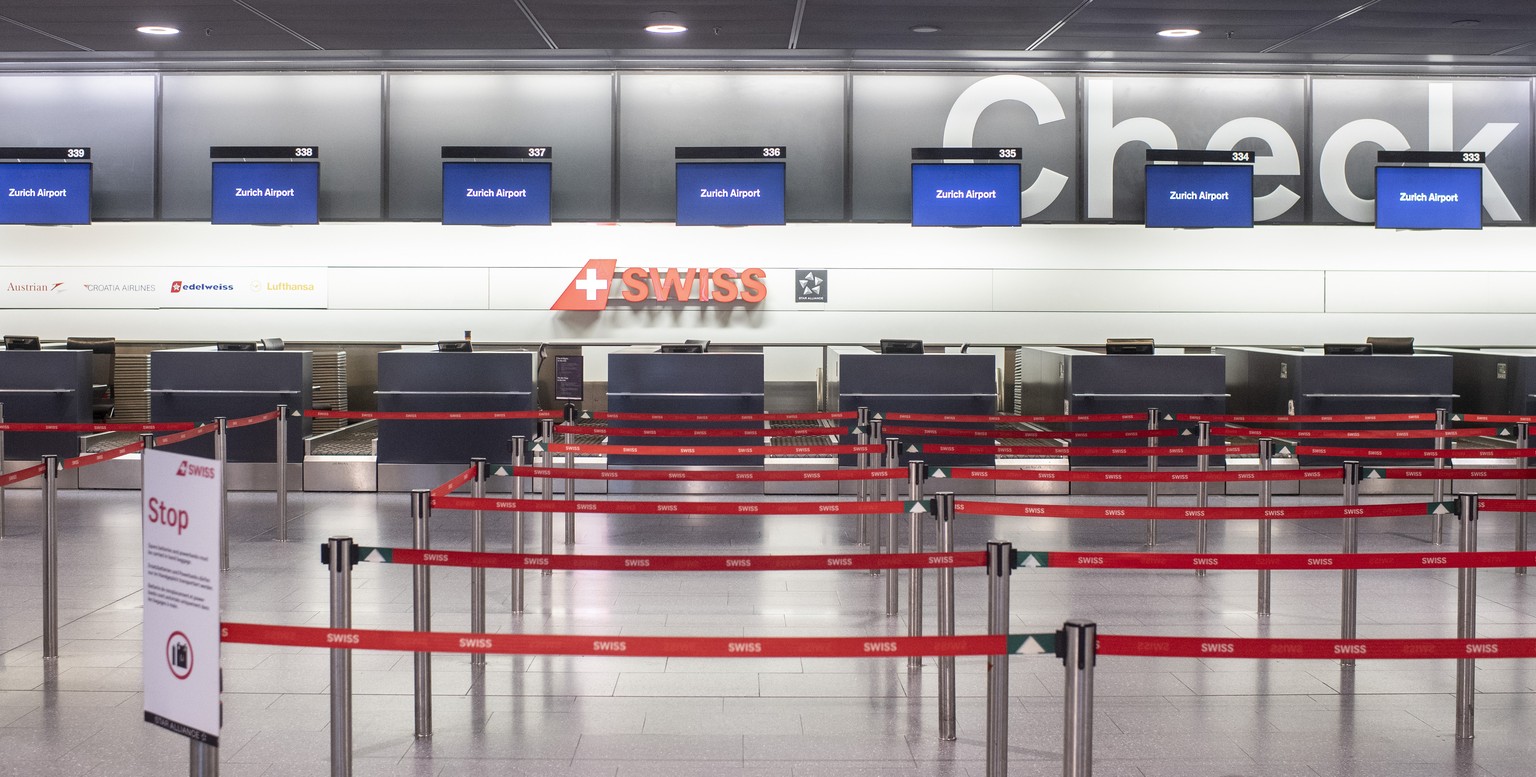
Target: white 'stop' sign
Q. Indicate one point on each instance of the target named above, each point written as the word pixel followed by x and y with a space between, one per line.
pixel 181 594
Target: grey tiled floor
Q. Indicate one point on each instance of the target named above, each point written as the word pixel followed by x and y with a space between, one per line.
pixel 616 716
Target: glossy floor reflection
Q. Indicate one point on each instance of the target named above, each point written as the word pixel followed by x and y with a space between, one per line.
pixel 682 716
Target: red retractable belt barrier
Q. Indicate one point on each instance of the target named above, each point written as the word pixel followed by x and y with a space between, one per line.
pixel 1218 647
pixel 454 483
pixel 1014 419
pixel 1062 450
pixel 667 508
pixel 1126 434
pixel 605 416
pixel 713 450
pixel 1507 505
pixel 619 431
pixel 171 439
pixel 1477 418
pixel 162 427
pixel 1084 476
pixel 97 458
pixel 236 423
pixel 22 475
pixel 1351 434
pixel 577 645
pixel 1198 513
pixel 441 416
pixel 1449 473
pixel 1390 418
pixel 1398 453
pixel 451 558
pixel 792 475
pixel 1240 561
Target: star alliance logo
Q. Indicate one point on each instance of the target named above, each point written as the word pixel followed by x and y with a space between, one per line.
pixel 810 285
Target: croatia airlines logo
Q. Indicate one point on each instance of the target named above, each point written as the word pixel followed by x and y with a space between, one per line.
pixel 595 283
pixel 589 289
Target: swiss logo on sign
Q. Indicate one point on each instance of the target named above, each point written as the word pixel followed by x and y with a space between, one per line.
pixel 589 289
pixel 598 278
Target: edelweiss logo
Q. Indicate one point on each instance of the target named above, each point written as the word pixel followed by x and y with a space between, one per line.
pixel 190 470
pixel 43 287
pixel 177 287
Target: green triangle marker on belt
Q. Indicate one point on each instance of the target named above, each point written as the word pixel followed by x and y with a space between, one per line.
pixel 1442 508
pixel 1456 417
pixel 1373 473
pixel 501 471
pixel 1168 416
pixel 917 507
pixel 1505 432
pixel 914 448
pixel 938 473
pixel 538 447
pixel 1032 560
pixel 1032 644
pixel 586 416
pixel 376 555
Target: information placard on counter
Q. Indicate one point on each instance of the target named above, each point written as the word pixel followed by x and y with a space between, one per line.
pixel 730 194
pixel 570 383
pixel 181 504
pixel 45 193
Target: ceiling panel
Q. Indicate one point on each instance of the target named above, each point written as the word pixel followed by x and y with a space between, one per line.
pixel 1399 31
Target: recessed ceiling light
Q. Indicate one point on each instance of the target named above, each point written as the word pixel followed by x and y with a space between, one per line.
pixel 157 29
pixel 1179 32
pixel 923 28
pixel 665 29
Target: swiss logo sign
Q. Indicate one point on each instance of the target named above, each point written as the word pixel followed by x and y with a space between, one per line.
pixel 596 281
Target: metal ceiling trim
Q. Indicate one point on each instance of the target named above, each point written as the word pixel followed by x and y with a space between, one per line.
pixel 262 15
pixel 538 26
pixel 1304 33
pixel 44 33
pixel 1058 25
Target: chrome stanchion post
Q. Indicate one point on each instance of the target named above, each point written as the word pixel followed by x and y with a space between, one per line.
pixel 1152 485
pixel 999 570
pixel 892 544
pixel 342 555
pixel 1437 521
pixel 519 445
pixel 1266 497
pixel 1466 617
pixel 51 557
pixel 547 488
pixel 202 759
pixel 944 519
pixel 421 607
pixel 477 545
pixel 570 483
pixel 1522 490
pixel 1351 545
pixel 1078 649
pixel 871 461
pixel 221 455
pixel 917 472
pixel 861 461
pixel 2 471
pixel 1202 490
pixel 281 460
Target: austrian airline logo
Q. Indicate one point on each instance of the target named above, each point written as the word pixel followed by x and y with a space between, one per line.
pixel 595 283
pixel 44 287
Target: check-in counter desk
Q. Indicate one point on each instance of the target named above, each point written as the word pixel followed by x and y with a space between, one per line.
pixel 1270 381
pixel 932 383
pixel 200 384
pixel 643 380
pixel 1081 381
pixel 1494 381
pixel 423 454
pixel 49 386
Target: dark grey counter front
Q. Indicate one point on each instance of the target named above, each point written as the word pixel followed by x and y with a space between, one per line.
pixel 418 380
pixel 45 387
pixel 911 383
pixel 1493 382
pixel 641 380
pixel 200 384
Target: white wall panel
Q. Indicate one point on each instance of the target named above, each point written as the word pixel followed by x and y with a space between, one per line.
pixel 1471 292
pixel 402 288
pixel 1194 291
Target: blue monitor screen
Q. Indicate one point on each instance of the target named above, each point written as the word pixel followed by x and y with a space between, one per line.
pixel 496 193
pixel 1429 197
pixel 730 194
pixel 1199 196
pixel 266 192
pixel 45 193
pixel 965 195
